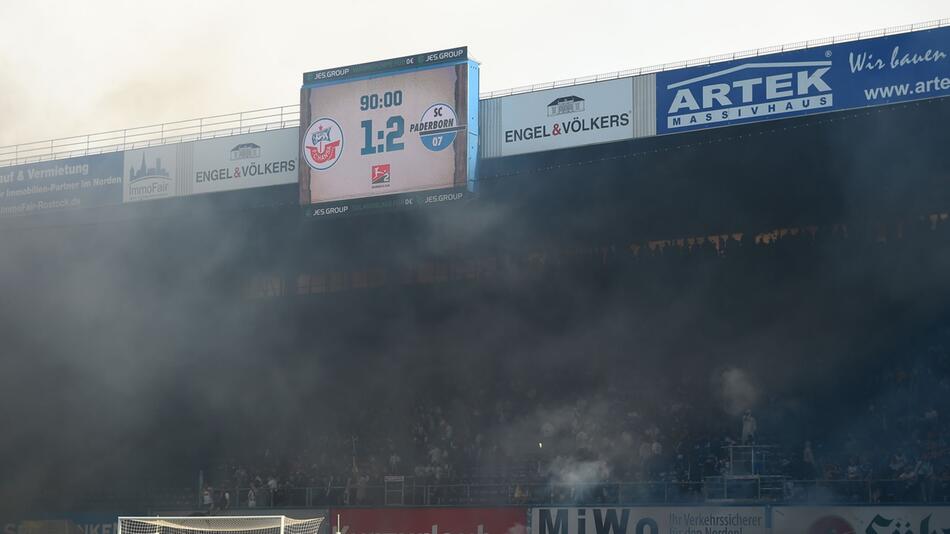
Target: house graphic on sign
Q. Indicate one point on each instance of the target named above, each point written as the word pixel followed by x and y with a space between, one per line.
pixel 565 104
pixel 245 151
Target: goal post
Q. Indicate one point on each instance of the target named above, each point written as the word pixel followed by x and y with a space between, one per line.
pixel 228 524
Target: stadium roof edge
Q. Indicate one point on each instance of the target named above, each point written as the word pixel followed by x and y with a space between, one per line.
pixel 708 60
pixel 289 116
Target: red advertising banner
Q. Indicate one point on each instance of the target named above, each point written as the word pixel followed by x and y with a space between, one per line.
pixel 429 520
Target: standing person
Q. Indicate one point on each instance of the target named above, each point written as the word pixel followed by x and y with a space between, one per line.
pixel 251 497
pixel 362 481
pixel 224 501
pixel 749 427
pixel 272 487
pixel 809 466
pixel 207 498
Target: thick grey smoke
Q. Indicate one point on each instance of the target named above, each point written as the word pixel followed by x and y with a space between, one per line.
pixel 736 390
pixel 569 471
pixel 133 353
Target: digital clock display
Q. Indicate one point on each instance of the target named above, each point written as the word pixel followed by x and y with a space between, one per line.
pixel 408 131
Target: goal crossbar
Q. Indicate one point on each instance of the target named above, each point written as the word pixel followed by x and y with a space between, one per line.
pixel 274 524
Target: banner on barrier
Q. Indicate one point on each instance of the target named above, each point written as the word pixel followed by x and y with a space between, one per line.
pixel 649 520
pixel 860 519
pixel 430 520
pixel 245 161
pixel 85 182
pixel 567 117
pixel 80 524
pixel 857 74
pixel 157 172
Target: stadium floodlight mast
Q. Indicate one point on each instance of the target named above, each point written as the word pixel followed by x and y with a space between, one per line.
pixel 231 524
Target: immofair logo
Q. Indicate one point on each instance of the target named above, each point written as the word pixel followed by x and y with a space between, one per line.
pixel 438 127
pixel 380 175
pixel 149 180
pixel 750 91
pixel 323 143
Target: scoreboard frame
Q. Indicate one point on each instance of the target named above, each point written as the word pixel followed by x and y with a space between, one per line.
pixel 386 66
pixel 461 185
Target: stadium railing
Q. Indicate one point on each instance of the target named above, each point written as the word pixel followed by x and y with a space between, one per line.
pixel 289 116
pixel 256 120
pixel 892 30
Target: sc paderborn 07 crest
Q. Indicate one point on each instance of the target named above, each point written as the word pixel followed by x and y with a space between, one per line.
pixel 323 143
pixel 438 127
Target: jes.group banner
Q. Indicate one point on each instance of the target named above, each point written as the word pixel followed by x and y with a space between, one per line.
pixel 871 72
pixel 429 520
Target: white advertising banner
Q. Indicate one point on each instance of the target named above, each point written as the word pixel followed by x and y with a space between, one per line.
pixel 244 161
pixel 860 519
pixel 567 117
pixel 156 172
pixel 649 520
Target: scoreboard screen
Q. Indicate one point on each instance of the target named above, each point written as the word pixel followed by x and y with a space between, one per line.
pixel 403 125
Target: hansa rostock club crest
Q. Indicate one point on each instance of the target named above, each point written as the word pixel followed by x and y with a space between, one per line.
pixel 323 143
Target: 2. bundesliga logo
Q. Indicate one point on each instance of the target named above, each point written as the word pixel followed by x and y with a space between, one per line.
pixel 380 175
pixel 323 143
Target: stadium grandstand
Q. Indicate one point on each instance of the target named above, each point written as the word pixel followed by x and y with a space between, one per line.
pixel 751 314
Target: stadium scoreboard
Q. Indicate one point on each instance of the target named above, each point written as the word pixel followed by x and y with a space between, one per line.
pixel 405 129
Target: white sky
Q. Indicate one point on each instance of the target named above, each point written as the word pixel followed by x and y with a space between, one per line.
pixel 71 67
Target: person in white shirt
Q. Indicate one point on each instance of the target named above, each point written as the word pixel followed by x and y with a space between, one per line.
pixel 207 498
pixel 749 427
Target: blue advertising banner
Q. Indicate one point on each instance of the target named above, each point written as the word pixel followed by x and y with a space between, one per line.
pixel 871 72
pixel 83 182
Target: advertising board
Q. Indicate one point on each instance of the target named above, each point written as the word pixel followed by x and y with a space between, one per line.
pixel 388 132
pixel 857 74
pixel 860 519
pixel 69 524
pixel 84 182
pixel 649 520
pixel 567 117
pixel 157 172
pixel 430 520
pixel 244 161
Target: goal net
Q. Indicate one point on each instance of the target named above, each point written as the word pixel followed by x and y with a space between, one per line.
pixel 272 524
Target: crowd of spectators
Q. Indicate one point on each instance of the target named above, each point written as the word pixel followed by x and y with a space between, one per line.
pixel 898 433
pixel 872 428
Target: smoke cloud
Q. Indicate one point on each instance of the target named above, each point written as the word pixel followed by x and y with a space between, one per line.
pixel 572 472
pixel 736 390
pixel 134 353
